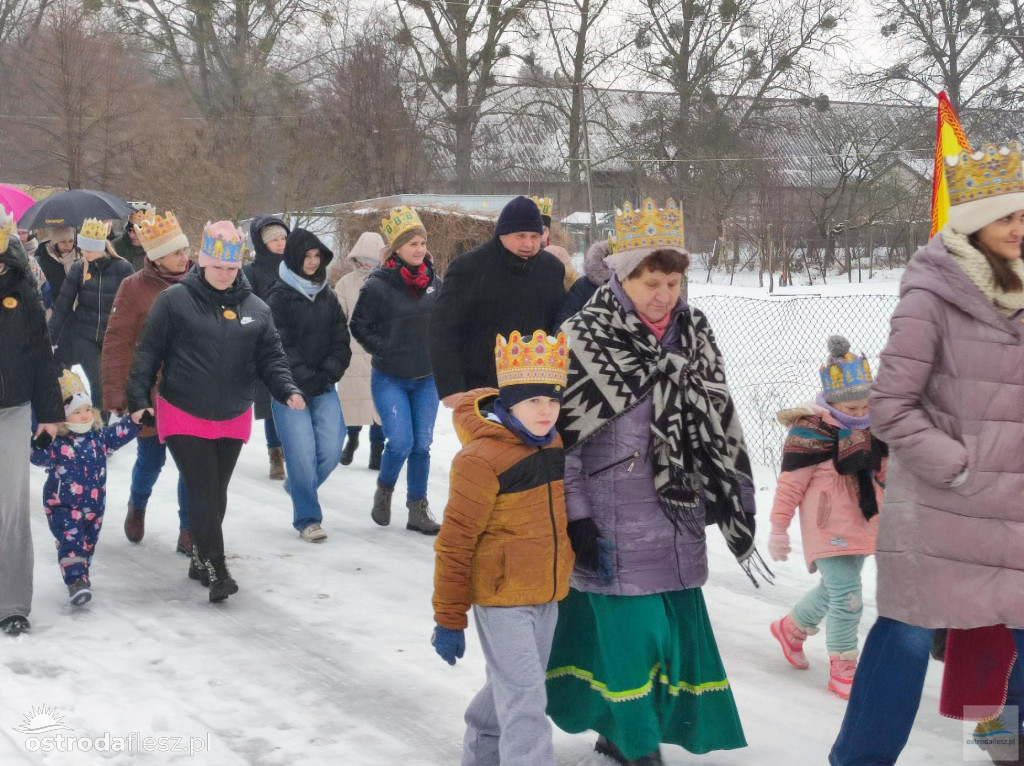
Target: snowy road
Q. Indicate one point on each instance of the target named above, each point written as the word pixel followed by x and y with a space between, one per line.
pixel 324 656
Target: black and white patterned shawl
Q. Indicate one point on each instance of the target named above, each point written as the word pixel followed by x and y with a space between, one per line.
pixel 697 442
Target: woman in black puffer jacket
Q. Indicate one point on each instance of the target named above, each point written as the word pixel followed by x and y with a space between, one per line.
pixel 85 300
pixel 213 339
pixel 390 321
pixel 315 338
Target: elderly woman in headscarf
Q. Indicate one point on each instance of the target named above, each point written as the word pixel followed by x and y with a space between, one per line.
pixel 653 449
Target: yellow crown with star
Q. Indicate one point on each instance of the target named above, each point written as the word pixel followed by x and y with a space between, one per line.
pixel 94 228
pixel 7 228
pixel 543 204
pixel 991 172
pixel 648 226
pixel 538 359
pixel 401 220
pixel 142 211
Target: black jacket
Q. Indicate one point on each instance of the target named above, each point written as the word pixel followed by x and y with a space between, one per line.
pixel 314 333
pixel 52 268
pixel 134 254
pixel 487 292
pixel 580 292
pixel 261 272
pixel 392 324
pixel 88 295
pixel 212 345
pixel 28 372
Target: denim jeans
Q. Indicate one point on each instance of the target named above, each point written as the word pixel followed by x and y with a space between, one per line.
pixel 312 439
pixel 837 600
pixel 376 432
pixel 273 441
pixel 407 409
pixel 887 692
pixel 149 461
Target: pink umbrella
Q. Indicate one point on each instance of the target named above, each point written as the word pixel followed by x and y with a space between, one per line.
pixel 14 200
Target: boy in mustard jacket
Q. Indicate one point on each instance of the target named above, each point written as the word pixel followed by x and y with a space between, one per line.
pixel 503 548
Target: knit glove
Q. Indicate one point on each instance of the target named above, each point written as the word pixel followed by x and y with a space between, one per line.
pixel 593 552
pixel 449 644
pixel 778 546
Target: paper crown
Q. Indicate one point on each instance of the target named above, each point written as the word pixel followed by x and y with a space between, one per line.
pixel 543 204
pixel 161 236
pixel 94 228
pixel 648 227
pixel 402 220
pixel 540 359
pixel 845 376
pixel 991 172
pixel 142 211
pixel 7 228
pixel 216 246
pixel 73 392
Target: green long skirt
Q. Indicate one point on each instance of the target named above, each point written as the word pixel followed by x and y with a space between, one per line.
pixel 641 670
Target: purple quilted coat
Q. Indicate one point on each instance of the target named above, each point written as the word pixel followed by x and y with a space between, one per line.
pixel 950 396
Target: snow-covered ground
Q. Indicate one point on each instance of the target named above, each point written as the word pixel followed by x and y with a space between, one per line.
pixel 323 657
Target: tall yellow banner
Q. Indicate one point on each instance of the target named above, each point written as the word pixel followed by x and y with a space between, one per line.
pixel 950 140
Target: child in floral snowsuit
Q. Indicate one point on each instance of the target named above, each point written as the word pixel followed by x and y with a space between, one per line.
pixel 74 495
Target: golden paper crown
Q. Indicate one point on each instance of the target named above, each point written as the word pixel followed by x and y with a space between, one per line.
pixel 154 229
pixel 94 228
pixel 540 359
pixel 648 226
pixel 7 228
pixel 991 172
pixel 544 203
pixel 70 384
pixel 140 216
pixel 402 220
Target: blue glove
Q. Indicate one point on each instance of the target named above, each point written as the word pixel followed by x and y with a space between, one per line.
pixel 449 644
pixel 605 565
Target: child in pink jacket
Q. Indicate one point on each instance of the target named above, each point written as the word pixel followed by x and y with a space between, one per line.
pixel 833 469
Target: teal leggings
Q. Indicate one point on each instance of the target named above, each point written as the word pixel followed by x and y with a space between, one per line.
pixel 838 595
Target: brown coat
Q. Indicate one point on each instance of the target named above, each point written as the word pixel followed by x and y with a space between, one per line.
pixel 131 306
pixel 503 541
pixel 949 398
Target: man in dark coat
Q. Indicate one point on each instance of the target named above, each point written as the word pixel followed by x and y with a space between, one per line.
pixel 503 285
pixel 268 234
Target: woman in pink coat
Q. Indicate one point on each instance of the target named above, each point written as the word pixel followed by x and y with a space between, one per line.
pixel 832 469
pixel 949 402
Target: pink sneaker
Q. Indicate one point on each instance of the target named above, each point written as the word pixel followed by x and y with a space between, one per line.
pixel 792 638
pixel 840 679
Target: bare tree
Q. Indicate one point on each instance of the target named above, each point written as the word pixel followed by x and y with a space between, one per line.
pixel 458 46
pixel 958 46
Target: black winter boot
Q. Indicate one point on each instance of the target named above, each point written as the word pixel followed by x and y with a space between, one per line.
pixel 381 513
pixel 607 747
pixel 197 568
pixel 376 450
pixel 351 445
pixel 222 584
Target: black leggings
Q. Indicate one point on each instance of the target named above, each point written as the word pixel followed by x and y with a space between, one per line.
pixel 206 466
pixel 89 355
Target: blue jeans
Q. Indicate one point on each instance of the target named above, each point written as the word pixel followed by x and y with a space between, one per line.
pixel 149 461
pixel 273 441
pixel 887 692
pixel 376 432
pixel 312 439
pixel 407 409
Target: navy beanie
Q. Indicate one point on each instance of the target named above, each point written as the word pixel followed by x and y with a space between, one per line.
pixel 521 214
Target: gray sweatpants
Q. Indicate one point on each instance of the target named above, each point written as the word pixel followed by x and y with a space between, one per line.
pixel 506 722
pixel 16 559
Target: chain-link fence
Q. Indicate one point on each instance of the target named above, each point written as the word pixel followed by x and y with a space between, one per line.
pixel 774 347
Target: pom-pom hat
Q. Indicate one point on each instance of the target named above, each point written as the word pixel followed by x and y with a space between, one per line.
pixel 531 367
pixel 845 377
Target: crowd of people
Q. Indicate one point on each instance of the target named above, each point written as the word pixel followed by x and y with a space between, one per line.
pixel 599 442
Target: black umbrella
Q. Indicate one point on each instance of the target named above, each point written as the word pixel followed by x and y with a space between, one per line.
pixel 70 208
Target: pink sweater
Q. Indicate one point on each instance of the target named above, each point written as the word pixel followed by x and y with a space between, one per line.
pixel 172 421
pixel 831 522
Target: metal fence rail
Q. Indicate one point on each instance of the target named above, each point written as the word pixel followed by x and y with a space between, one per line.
pixel 774 347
